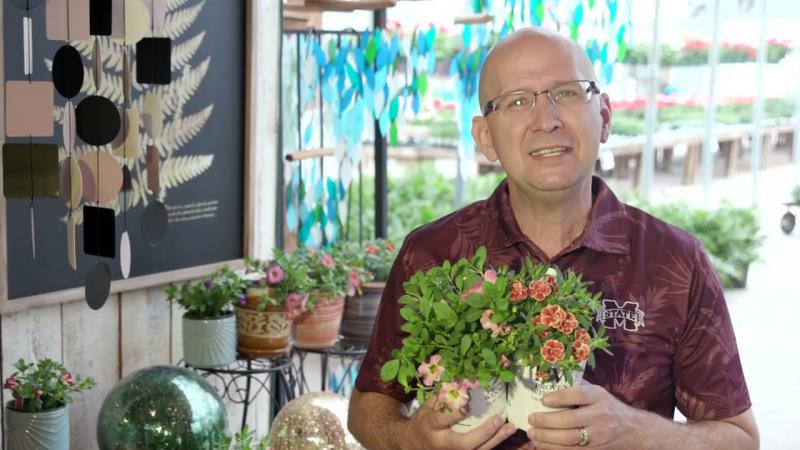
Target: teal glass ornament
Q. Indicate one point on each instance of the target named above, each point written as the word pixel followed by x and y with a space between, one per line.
pixel 163 407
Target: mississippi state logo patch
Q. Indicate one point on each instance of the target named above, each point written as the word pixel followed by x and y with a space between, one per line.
pixel 626 316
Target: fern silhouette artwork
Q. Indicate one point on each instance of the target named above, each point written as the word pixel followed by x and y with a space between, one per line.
pixel 179 127
pixel 198 147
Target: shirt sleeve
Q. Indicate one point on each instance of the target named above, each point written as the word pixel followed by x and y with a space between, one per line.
pixel 709 381
pixel 386 334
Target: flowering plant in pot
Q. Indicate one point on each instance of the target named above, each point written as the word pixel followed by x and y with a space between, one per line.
pixel 38 413
pixel 458 318
pixel 277 294
pixel 553 337
pixel 370 263
pixel 320 317
pixel 209 326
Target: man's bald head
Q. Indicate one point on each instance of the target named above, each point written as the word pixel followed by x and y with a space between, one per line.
pixel 527 42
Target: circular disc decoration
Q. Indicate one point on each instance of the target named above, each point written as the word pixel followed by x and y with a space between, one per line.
pixel 29 4
pixel 97 120
pixel 137 22
pixel 152 117
pixel 70 181
pixel 154 222
pixel 98 285
pixel 110 177
pixel 125 254
pixel 68 71
pixel 68 127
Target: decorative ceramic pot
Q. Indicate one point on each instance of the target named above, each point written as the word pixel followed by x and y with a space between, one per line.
pixel 319 328
pixel 262 334
pixel 360 311
pixel 42 430
pixel 526 391
pixel 209 342
pixel 483 405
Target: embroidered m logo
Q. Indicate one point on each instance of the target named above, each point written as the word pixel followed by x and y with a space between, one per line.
pixel 627 316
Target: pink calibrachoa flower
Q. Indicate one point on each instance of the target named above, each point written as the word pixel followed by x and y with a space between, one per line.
pixel 454 394
pixel 490 276
pixel 552 351
pixel 275 274
pixel 553 315
pixel 67 379
pixel 353 282
pixel 504 362
pixel 11 383
pixel 569 324
pixel 580 351
pixel 372 250
pixel 328 261
pixel 539 290
pixel 518 291
pixel 431 372
pixel 582 335
pixel 477 289
pixel 487 324
pixel 470 384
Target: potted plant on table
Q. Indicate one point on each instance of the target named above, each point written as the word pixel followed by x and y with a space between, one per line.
pixel 553 337
pixel 276 295
pixel 38 417
pixel 320 317
pixel 209 326
pixel 370 263
pixel 458 317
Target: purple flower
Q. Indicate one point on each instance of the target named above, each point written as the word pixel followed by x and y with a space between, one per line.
pixel 275 274
pixel 242 299
pixel 208 284
pixel 11 383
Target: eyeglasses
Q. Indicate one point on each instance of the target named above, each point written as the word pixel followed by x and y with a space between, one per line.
pixel 571 93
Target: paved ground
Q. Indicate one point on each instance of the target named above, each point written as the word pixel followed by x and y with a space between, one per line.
pixel 766 313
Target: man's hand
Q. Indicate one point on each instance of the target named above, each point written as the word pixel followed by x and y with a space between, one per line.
pixel 606 420
pixel 429 428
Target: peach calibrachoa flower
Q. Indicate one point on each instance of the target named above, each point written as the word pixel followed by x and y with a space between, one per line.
pixel 454 394
pixel 431 371
pixel 580 351
pixel 328 261
pixel 552 351
pixel 582 335
pixel 518 291
pixel 553 315
pixel 539 290
pixel 569 324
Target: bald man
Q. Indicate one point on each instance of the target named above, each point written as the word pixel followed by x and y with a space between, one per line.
pixel 543 118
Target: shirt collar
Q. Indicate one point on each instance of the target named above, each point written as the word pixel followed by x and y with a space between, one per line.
pixel 607 229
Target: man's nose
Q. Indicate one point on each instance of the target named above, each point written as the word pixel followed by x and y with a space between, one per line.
pixel 545 113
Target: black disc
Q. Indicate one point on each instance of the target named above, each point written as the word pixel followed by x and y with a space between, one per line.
pixel 27 4
pixel 96 120
pixel 98 285
pixel 154 222
pixel 68 71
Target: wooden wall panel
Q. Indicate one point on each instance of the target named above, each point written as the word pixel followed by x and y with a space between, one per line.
pixel 91 347
pixel 144 330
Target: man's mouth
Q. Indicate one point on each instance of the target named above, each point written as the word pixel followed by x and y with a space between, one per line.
pixel 549 152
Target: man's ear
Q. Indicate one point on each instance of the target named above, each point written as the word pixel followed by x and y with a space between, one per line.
pixel 483 137
pixel 605 114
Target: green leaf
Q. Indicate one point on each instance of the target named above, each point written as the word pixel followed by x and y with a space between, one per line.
pixel 408 313
pixel 507 376
pixel 425 307
pixel 472 315
pixel 393 134
pixel 371 51
pixel 466 342
pixel 422 84
pixel 443 311
pixel 480 257
pixel 389 370
pixel 489 357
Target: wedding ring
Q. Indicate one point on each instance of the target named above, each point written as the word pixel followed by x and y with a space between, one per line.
pixel 584 437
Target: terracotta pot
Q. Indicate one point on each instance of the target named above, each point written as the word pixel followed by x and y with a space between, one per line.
pixel 360 311
pixel 319 328
pixel 262 334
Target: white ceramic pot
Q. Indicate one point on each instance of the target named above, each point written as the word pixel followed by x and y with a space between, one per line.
pixel 483 405
pixel 525 394
pixel 43 430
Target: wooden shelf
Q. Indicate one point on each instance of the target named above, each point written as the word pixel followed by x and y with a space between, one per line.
pixel 337 5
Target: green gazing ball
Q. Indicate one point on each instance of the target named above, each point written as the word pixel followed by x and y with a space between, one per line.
pixel 163 407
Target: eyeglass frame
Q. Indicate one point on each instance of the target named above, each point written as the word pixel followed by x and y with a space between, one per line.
pixel 492 105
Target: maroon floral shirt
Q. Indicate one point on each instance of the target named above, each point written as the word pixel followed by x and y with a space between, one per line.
pixel 664 309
